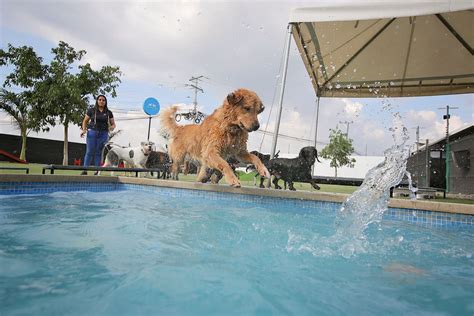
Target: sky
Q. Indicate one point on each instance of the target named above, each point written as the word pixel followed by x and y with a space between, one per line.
pixel 160 45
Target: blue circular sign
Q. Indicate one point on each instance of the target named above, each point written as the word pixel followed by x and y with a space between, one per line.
pixel 151 106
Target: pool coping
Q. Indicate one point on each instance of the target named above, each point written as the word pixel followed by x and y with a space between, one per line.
pixel 455 208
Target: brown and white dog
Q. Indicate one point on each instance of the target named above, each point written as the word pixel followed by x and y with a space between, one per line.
pixel 221 135
pixel 135 157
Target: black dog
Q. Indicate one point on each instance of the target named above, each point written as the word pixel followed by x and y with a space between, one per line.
pixel 264 159
pixel 215 175
pixel 295 169
pixel 159 160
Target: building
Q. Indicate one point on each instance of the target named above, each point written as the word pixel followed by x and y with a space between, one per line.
pixel 428 165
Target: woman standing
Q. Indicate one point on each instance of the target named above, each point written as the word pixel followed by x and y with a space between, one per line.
pixel 97 123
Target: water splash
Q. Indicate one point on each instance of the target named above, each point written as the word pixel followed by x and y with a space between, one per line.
pixel 363 207
pixel 412 189
pixel 367 204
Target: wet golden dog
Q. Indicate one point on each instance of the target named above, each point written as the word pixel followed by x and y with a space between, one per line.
pixel 221 135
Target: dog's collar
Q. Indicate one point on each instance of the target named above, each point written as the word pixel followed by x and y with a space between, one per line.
pixel 144 153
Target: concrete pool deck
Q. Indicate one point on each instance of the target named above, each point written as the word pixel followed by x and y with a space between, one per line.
pixel 433 206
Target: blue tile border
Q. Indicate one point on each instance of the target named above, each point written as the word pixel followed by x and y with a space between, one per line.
pixel 222 196
pixel 418 217
pixel 429 218
pixel 8 188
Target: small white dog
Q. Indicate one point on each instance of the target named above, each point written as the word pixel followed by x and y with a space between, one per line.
pixel 136 157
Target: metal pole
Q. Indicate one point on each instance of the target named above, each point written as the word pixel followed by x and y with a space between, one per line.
pixel 427 164
pixel 195 98
pixel 417 138
pixel 316 130
pixel 282 92
pixel 447 152
pixel 347 127
pixel 149 125
pixel 317 121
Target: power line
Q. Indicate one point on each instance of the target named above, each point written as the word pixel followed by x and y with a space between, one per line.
pixel 289 137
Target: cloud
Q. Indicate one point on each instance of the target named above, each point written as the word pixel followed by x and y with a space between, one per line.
pixel 159 45
pixel 431 124
pixel 423 116
pixel 352 109
pixel 373 133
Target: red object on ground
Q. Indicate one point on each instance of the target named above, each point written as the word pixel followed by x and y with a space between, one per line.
pixel 77 162
pixel 12 157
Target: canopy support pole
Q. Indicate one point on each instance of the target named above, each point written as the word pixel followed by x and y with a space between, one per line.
pixel 282 92
pixel 316 129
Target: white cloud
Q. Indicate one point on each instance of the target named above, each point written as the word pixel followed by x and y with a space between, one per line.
pixel 234 43
pixel 373 133
pixel 431 124
pixel 352 109
pixel 423 116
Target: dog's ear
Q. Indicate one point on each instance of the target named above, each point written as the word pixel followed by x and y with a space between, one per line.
pixel 234 98
pixel 316 154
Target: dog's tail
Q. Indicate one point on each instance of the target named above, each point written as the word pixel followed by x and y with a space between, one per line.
pixel 168 121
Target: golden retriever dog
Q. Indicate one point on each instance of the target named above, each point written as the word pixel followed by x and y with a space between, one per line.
pixel 221 135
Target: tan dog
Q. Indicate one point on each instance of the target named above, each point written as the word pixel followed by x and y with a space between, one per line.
pixel 221 135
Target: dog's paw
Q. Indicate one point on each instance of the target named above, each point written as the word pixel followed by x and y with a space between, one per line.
pixel 236 184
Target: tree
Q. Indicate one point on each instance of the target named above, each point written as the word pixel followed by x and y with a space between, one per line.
pixel 26 106
pixel 338 150
pixel 68 94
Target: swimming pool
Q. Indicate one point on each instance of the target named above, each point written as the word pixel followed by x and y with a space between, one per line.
pixel 135 250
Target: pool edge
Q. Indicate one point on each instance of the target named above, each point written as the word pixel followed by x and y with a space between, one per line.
pixel 454 208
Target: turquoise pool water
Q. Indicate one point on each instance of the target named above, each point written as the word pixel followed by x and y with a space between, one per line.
pixel 130 252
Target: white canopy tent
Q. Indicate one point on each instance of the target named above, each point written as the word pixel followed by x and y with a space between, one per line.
pixel 392 48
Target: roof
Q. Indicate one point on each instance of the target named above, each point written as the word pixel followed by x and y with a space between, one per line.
pixel 453 136
pixel 387 48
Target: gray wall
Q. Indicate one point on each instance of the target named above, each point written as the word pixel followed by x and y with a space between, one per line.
pixel 461 166
pixel 416 165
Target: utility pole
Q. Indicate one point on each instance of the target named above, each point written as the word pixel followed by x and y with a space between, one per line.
pixel 347 129
pixel 196 87
pixel 447 151
pixel 418 137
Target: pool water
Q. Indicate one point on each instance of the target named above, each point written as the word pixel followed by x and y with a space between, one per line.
pixel 130 252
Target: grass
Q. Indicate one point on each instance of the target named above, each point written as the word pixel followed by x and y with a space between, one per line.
pixel 245 179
